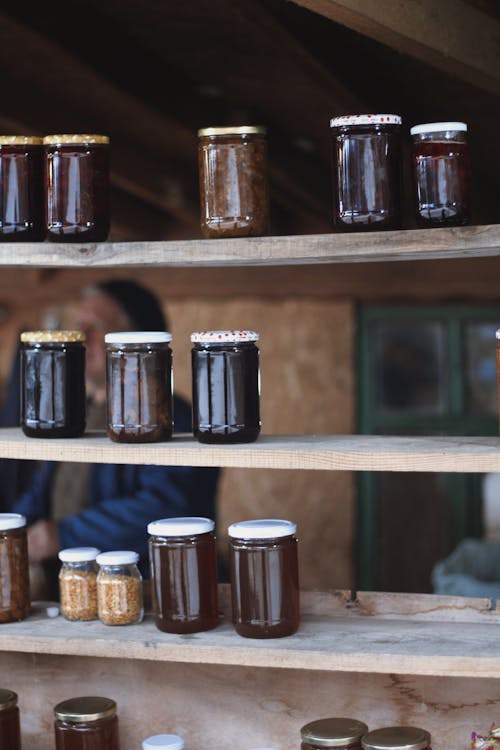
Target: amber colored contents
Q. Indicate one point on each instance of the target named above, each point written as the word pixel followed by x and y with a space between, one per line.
pixel 10 730
pixel 22 216
pixel 442 182
pixel 92 735
pixel 14 575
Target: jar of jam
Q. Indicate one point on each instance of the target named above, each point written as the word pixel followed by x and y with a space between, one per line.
pixel 264 578
pixel 397 738
pixel 183 574
pixel 22 215
pixel 336 732
pixel 163 742
pixel 78 583
pixel 77 185
pixel 139 386
pixel 14 571
pixel 441 172
pixel 53 384
pixel 10 730
pixel 119 588
pixel 234 190
pixel 87 723
pixel 366 172
pixel 226 386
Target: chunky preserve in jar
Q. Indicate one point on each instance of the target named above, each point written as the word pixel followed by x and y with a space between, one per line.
pixel 10 730
pixel 234 190
pixel 183 574
pixel 119 588
pixel 366 172
pixel 77 187
pixel 441 172
pixel 335 732
pixel 264 578
pixel 163 742
pixel 22 214
pixel 397 738
pixel 53 383
pixel 226 386
pixel 78 583
pixel 139 386
pixel 14 571
pixel 87 723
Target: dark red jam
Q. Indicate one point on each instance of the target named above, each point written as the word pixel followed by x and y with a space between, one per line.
pixel 86 724
pixel 22 215
pixel 10 730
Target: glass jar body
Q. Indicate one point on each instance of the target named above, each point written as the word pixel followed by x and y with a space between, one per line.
pixel 14 575
pixel 53 389
pixel 10 730
pixel 22 214
pixel 101 734
pixel 78 590
pixel 119 595
pixel 226 385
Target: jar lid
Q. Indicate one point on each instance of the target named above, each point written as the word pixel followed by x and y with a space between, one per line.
pixel 163 741
pixel 118 557
pixel 84 709
pixel 233 130
pixel 79 554
pixel 8 699
pixel 11 521
pixel 262 528
pixel 20 140
pixel 52 337
pixel 221 337
pixel 438 127
pixel 75 139
pixel 138 337
pixel 497 334
pixel 397 738
pixel 333 732
pixel 337 122
pixel 185 526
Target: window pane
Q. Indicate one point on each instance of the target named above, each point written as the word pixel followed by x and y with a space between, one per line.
pixel 481 385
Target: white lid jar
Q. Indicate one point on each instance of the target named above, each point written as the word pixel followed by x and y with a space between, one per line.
pixel 119 588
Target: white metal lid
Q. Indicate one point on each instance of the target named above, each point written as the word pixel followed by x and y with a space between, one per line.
pixel 216 337
pixel 497 334
pixel 138 337
pixel 120 557
pixel 79 554
pixel 163 741
pixel 336 122
pixel 262 528
pixel 182 526
pixel 11 521
pixel 438 127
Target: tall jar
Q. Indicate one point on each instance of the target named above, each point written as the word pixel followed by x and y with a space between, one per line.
pixel 77 187
pixel 10 730
pixel 341 733
pixel 183 574
pixel 226 386
pixel 163 742
pixel 264 578
pixel 234 190
pixel 366 172
pixel 139 386
pixel 14 570
pixel 87 723
pixel 119 588
pixel 441 173
pixel 78 583
pixel 396 738
pixel 22 214
pixel 53 383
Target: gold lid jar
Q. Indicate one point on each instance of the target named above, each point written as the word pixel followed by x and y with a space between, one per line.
pixel 333 732
pixel 397 738
pixel 85 709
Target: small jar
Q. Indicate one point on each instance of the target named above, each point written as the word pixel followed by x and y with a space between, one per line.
pixel 183 574
pixel 234 190
pixel 22 215
pixel 366 172
pixel 264 578
pixel 53 384
pixel 341 733
pixel 119 588
pixel 10 730
pixel 78 583
pixel 87 723
pixel 441 173
pixel 77 187
pixel 14 570
pixel 226 386
pixel 397 738
pixel 139 386
pixel 163 742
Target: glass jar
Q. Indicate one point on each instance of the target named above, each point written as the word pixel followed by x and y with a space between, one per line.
pixel 397 738
pixel 119 588
pixel 264 578
pixel 14 570
pixel 183 574
pixel 234 190
pixel 53 384
pixel 78 583
pixel 77 185
pixel 10 730
pixel 22 216
pixel 226 386
pixel 341 733
pixel 163 742
pixel 366 172
pixel 139 386
pixel 441 172
pixel 87 723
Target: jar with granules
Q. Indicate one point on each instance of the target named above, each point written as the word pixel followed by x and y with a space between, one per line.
pixel 78 583
pixel 119 588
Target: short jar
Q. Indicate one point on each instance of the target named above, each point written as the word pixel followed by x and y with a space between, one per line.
pixel 78 583
pixel 14 568
pixel 234 190
pixel 77 187
pixel 341 733
pixel 226 386
pixel 53 383
pixel 396 738
pixel 86 723
pixel 441 174
pixel 163 742
pixel 264 578
pixel 139 386
pixel 183 562
pixel 10 730
pixel 119 588
pixel 22 213
pixel 366 172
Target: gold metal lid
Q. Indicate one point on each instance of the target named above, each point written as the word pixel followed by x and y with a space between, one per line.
pixel 52 337
pixel 20 140
pixel 397 738
pixel 335 732
pixel 233 130
pixel 75 139
pixel 8 699
pixel 78 710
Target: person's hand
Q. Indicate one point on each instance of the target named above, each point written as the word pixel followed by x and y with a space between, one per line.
pixel 43 541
